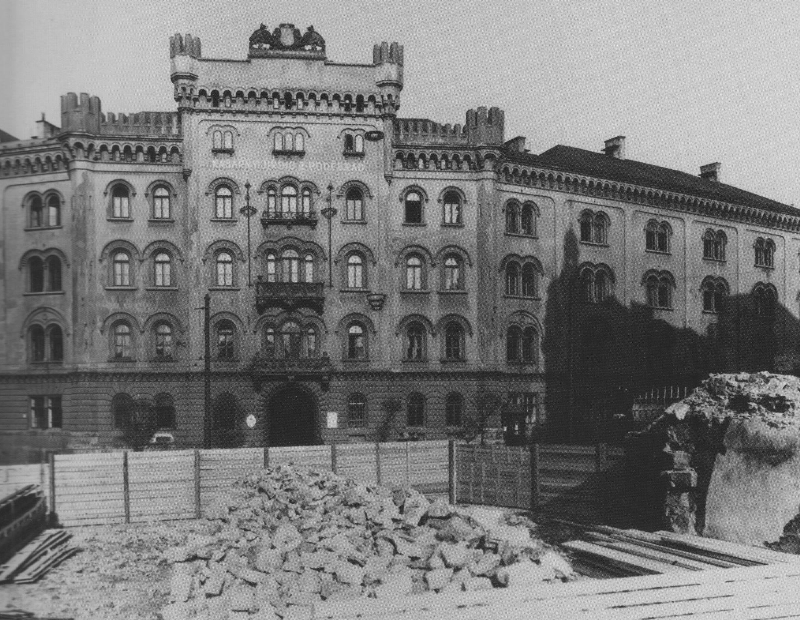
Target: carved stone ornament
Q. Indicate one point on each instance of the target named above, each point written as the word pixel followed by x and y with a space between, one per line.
pixel 286 37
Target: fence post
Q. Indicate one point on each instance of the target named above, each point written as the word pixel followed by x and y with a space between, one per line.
pixel 52 463
pixel 378 462
pixel 266 457
pixel 601 456
pixel 197 507
pixel 451 472
pixel 535 490
pixel 126 487
pixel 334 456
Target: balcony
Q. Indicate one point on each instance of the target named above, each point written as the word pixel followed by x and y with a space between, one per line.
pixel 289 295
pixel 263 367
pixel 289 218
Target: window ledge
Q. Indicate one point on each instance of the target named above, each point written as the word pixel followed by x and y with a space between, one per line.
pixel 361 360
pixel 524 297
pixel 122 360
pixel 121 288
pixel 163 359
pixel 353 153
pixel 39 293
pixel 411 291
pixel 353 290
pixel 119 219
pixel 47 363
pixel 222 151
pixel 161 288
pixel 659 252
pixel 446 360
pixel 533 236
pixel 161 220
pixel 286 153
pixel 451 225
pixel 452 291
pixel 33 228
pixel 225 220
pixel 414 224
pixel 226 361
pixel 356 222
pixel 711 312
pixel 517 364
pixel 595 244
pixel 422 361
pixel 224 288
pixel 768 267
pixel 659 308
pixel 714 260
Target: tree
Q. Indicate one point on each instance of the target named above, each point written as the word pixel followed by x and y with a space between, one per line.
pixel 391 407
pixel 487 406
pixel 136 434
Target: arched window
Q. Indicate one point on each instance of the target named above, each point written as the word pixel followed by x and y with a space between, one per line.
pixel 764 253
pixel 163 335
pixel 288 200
pixel 53 211
pixel 299 143
pixel 659 290
pixel 594 227
pixel 415 412
pixel 217 143
pixel 602 286
pixel 55 342
pixel 36 212
pixel 122 410
pixel 269 341
pixel 161 207
pixel 37 343
pixel 514 344
pixel 454 409
pixel 279 141
pixel 355 271
pixel 766 301
pixel 359 143
pixel 229 140
pixel 122 341
pixel 165 411
pixel 305 205
pixel 290 340
pixel 272 270
pixel 714 245
pixel 714 290
pixel 310 342
pixel 416 341
pixel 308 268
pixel 530 343
pixel 414 273
pixel 512 218
pixel 453 342
pixel 120 202
pixel 529 281
pixel 356 410
pixel 121 263
pixel 226 333
pixel 288 142
pixel 657 236
pixel 272 201
pixel 600 229
pixel 162 265
pixel 356 342
pixel 290 266
pixel 453 276
pixel 512 278
pixel 354 205
pixel 413 208
pixel 528 220
pixel 349 143
pixel 36 273
pixel 223 203
pixel 452 208
pixel 224 269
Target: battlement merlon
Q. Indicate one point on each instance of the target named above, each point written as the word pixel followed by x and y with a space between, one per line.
pixel 388 61
pixel 184 53
pixel 80 115
pixel 486 127
pixel 483 127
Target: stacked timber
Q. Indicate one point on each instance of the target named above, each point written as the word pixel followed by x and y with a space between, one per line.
pixel 22 515
pixel 44 552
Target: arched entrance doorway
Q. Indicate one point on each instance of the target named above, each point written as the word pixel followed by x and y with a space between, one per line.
pixel 292 414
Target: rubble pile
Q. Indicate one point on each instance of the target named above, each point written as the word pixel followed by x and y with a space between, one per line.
pixel 285 539
pixel 708 460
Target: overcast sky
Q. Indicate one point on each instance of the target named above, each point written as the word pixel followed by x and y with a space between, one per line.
pixel 687 82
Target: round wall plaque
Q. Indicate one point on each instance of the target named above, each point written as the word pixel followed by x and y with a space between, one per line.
pixel 251 421
pixel 374 136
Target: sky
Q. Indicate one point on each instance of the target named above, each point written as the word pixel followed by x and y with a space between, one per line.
pixel 688 83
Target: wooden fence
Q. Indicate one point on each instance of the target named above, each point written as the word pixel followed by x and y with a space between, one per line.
pixel 567 480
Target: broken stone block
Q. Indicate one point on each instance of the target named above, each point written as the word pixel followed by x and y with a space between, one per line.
pixel 213 585
pixel 269 561
pixel 477 583
pixel 525 573
pixel 286 537
pixel 415 509
pixel 455 556
pixel 399 584
pixel 180 586
pixel 179 554
pixel 265 613
pixel 176 611
pixel 348 573
pixel 309 581
pixel 457 529
pixel 299 612
pixel 560 565
pixel 242 598
pixel 439 578
pixel 439 509
pixel 486 565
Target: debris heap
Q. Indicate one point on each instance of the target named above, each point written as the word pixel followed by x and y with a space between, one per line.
pixel 286 539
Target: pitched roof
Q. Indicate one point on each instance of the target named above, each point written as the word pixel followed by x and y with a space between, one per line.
pixel 600 165
pixel 7 137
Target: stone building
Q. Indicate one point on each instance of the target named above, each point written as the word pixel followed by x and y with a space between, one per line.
pixel 352 256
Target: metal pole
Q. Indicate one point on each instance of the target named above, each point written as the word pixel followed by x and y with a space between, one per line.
pixel 207 369
pixel 248 211
pixel 329 213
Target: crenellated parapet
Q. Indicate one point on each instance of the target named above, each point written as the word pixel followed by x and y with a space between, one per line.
pixel 486 127
pixel 184 53
pixel 141 124
pixel 184 46
pixel 80 115
pixel 388 61
pixel 483 127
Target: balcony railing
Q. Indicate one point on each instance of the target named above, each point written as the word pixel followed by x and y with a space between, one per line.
pixel 263 367
pixel 289 295
pixel 289 218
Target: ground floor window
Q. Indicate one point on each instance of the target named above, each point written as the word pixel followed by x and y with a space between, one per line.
pixel 528 402
pixel 46 412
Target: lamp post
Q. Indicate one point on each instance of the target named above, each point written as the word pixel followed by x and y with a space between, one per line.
pixel 248 211
pixel 329 213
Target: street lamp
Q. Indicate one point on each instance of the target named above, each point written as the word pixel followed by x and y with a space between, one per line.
pixel 329 213
pixel 248 211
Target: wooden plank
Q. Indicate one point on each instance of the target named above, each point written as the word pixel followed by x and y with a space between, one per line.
pixel 761 555
pixel 624 559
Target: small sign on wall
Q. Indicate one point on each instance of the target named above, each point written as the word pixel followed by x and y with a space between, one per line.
pixel 333 419
pixel 251 421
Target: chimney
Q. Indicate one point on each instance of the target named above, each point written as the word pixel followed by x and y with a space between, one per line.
pixel 615 147
pixel 710 172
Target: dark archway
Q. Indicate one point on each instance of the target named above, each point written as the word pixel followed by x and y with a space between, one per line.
pixel 292 415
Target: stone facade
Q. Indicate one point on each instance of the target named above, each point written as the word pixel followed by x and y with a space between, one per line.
pixel 453 264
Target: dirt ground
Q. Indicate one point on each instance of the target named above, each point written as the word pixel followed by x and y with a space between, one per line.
pixel 120 574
